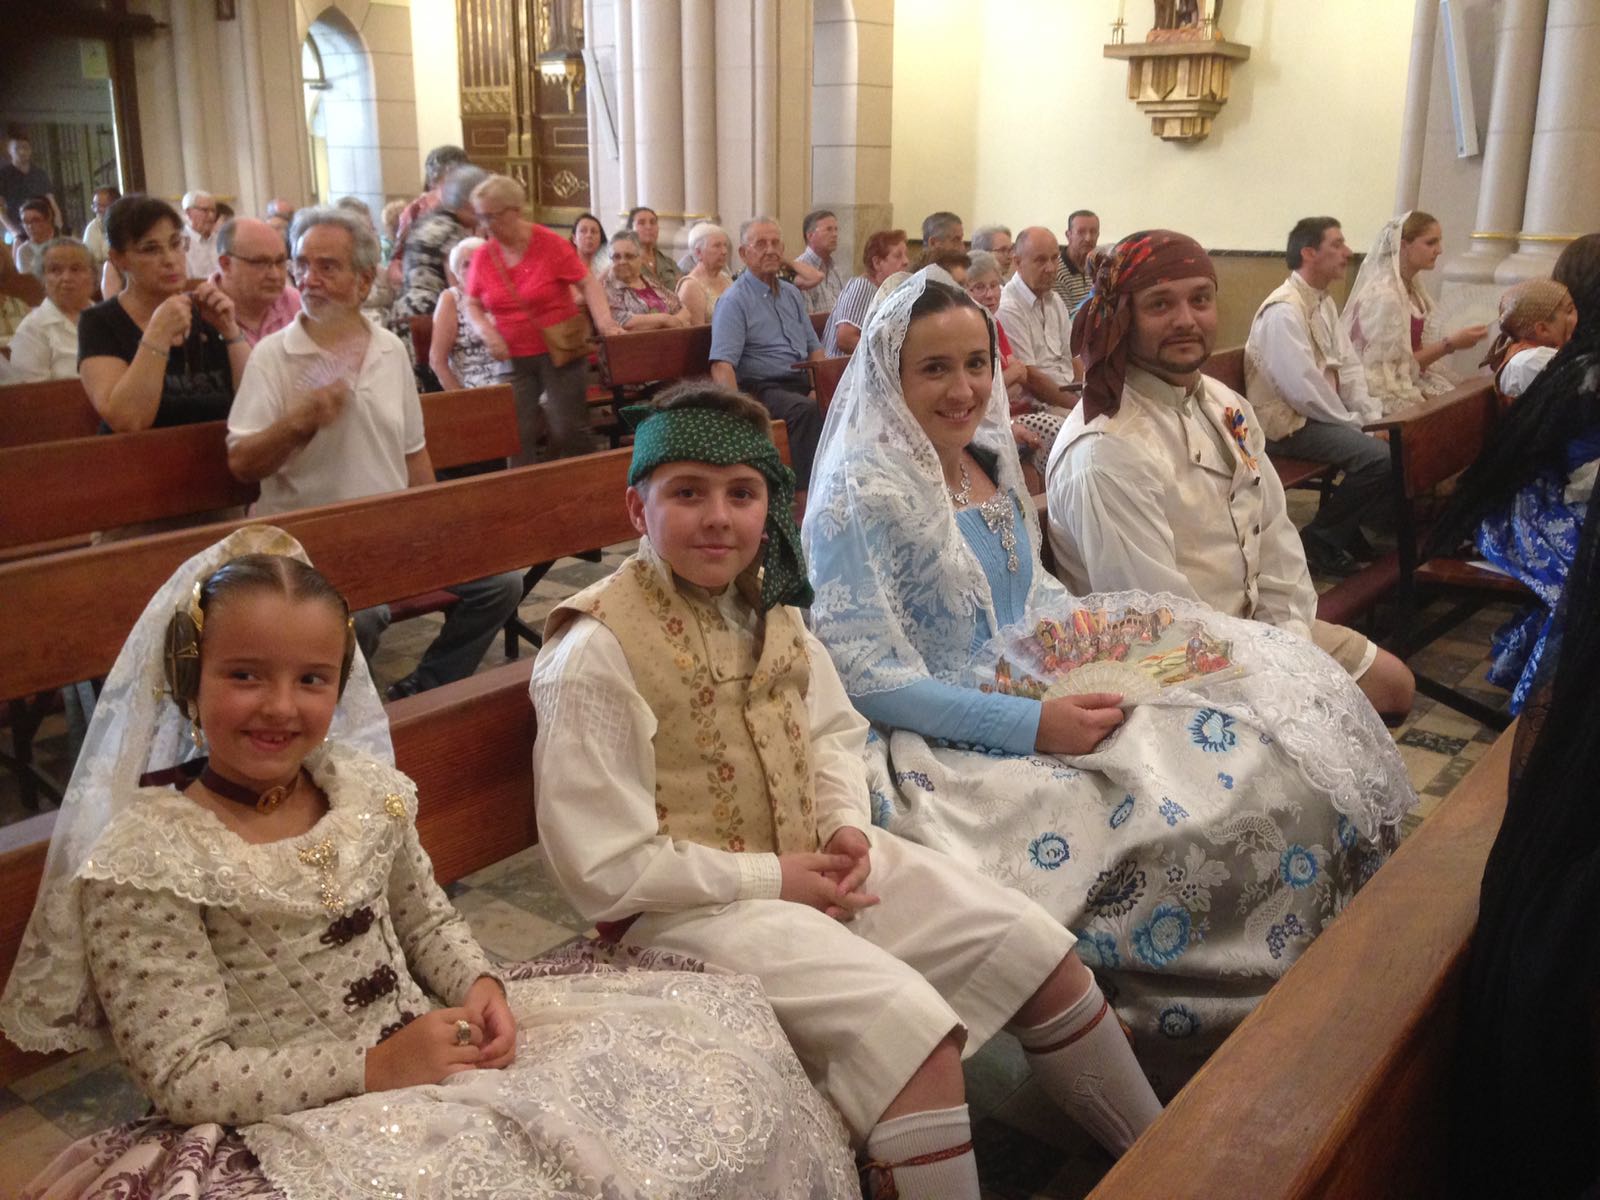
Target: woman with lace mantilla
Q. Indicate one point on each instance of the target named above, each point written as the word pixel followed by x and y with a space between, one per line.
pixel 1195 841
pixel 260 934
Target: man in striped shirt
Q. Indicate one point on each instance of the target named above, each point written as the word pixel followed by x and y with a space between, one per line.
pixel 1073 275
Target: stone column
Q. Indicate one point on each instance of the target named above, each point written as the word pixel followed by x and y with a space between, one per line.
pixel 764 73
pixel 628 179
pixel 253 151
pixel 658 110
pixel 1564 170
pixel 602 54
pixel 699 112
pixel 1519 47
pixel 1419 85
pixel 851 99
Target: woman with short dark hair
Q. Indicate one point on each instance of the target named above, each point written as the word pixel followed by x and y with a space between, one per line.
pixel 155 354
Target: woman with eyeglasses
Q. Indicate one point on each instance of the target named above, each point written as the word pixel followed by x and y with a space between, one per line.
pixel 154 354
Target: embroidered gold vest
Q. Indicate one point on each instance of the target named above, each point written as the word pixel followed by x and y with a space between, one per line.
pixel 733 740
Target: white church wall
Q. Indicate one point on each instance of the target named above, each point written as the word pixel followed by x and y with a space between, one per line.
pixel 1006 110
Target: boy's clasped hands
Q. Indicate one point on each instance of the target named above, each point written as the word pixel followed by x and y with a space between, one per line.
pixel 830 879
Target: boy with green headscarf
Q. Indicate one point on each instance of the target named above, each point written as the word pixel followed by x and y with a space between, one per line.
pixel 702 791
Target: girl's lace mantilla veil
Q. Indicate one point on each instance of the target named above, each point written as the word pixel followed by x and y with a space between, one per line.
pixel 49 1001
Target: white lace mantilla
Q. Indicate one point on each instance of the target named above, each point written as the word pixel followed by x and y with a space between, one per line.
pixel 49 1003
pixel 1377 317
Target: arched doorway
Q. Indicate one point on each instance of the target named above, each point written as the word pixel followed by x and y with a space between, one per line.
pixel 340 112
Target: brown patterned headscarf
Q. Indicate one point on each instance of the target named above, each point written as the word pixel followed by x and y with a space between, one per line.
pixel 1522 307
pixel 1100 330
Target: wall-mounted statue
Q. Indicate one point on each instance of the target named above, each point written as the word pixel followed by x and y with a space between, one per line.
pixel 1185 20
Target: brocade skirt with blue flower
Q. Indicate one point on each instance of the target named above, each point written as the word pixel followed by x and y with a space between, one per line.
pixel 1187 853
pixel 1534 541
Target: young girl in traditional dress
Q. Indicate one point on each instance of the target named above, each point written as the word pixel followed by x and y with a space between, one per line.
pixel 260 932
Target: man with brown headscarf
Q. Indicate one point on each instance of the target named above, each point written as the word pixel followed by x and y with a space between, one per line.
pixel 1159 480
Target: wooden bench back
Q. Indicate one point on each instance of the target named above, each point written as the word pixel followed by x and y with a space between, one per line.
pixel 1443 436
pixel 52 490
pixel 63 622
pixel 45 412
pixel 1227 366
pixel 630 359
pixel 1337 1085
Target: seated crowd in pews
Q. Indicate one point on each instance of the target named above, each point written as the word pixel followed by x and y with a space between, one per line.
pixel 762 748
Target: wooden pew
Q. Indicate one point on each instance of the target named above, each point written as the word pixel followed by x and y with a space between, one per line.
pixel 45 412
pixel 1429 444
pixel 631 360
pixel 1338 1084
pixel 53 490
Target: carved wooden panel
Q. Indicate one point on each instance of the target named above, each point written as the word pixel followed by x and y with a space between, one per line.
pixel 523 107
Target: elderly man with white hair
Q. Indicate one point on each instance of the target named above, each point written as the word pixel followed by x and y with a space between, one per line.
pixel 1036 320
pixel 328 411
pixel 759 335
pixel 200 223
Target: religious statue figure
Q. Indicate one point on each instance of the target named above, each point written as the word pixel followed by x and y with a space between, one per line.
pixel 1185 20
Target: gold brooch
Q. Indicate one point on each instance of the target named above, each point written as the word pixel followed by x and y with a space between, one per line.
pixel 323 857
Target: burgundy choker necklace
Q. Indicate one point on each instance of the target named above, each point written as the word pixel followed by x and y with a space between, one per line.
pixel 262 802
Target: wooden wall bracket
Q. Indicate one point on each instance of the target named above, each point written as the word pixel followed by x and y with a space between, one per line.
pixel 1179 84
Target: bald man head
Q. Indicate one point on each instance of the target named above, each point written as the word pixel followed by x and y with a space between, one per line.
pixel 254 266
pixel 1035 256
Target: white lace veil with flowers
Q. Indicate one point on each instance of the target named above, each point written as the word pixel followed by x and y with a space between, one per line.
pixel 1377 316
pixel 49 1001
pixel 901 596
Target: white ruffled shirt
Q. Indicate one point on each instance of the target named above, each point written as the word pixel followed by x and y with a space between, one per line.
pixel 1515 377
pixel 1157 497
pixel 595 765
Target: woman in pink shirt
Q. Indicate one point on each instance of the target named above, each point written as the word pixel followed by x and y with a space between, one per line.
pixel 524 280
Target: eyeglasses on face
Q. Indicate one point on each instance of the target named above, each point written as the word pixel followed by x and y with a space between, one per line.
pixel 263 264
pixel 178 243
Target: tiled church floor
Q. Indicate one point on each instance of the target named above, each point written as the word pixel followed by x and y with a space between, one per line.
pixel 1023 1148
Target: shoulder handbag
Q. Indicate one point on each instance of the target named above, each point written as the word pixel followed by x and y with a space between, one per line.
pixel 566 340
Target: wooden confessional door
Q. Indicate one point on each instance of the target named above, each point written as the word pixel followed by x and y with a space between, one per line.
pixel 523 107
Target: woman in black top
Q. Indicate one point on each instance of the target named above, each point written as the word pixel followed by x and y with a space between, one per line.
pixel 155 354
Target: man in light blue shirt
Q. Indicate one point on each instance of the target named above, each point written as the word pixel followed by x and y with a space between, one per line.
pixel 760 333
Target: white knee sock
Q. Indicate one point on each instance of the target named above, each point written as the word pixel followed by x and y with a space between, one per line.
pixel 1081 1058
pixel 924 1156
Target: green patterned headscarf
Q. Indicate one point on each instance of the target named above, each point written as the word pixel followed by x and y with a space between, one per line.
pixel 710 436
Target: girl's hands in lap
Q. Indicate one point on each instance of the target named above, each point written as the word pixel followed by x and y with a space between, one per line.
pixel 425 1051
pixel 487 1008
pixel 1077 724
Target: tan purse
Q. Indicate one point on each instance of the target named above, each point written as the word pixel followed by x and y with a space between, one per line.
pixel 569 340
pixel 566 340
